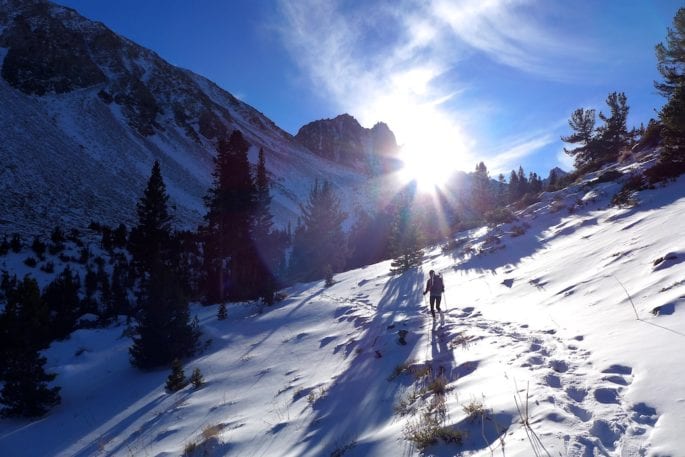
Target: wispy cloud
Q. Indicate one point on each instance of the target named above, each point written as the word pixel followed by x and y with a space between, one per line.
pixel 518 149
pixel 399 63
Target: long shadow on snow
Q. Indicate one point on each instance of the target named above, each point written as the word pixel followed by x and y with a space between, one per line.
pixel 361 398
pixel 259 325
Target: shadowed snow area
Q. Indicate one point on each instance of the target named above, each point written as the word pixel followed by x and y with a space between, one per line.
pixel 560 333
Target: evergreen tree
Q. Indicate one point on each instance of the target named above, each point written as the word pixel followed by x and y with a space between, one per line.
pixel 4 246
pixel 38 247
pixel 582 123
pixel 16 243
pixel 229 252
pixel 177 378
pixel 405 236
pixel 30 315
pixel 671 65
pixel 119 236
pixel 61 298
pixel 513 189
pixel 613 135
pixel 269 247
pixel 222 313
pixel 24 329
pixel 25 391
pixel 319 239
pixel 118 303
pixel 164 330
pixel 482 192
pixel 523 184
pixel 196 378
pixel 552 181
pixel 150 239
pixel 534 183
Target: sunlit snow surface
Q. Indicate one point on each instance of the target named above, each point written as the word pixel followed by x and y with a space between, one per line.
pixel 545 318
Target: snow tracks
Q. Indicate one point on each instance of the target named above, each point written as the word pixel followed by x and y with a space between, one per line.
pixel 557 382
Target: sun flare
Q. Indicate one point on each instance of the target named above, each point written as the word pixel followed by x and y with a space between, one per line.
pixel 429 163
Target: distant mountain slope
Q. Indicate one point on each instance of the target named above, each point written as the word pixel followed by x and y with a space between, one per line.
pixel 86 112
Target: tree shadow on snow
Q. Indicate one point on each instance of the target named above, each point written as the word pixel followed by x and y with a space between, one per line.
pixel 361 398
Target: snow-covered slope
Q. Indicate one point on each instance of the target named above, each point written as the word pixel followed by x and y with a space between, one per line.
pixel 575 312
pixel 85 112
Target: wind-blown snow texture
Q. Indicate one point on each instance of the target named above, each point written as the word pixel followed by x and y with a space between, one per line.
pixel 547 314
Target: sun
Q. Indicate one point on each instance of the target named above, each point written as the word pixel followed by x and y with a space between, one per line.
pixel 430 165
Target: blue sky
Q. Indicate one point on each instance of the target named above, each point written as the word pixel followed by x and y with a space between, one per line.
pixel 457 81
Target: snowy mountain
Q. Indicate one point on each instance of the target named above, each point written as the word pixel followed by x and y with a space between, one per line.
pixel 559 337
pixel 88 111
pixel 343 140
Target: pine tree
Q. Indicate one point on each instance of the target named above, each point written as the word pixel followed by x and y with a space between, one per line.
pixel 513 189
pixel 164 330
pixel 32 314
pixel 61 297
pixel 481 192
pixel 582 123
pixel 25 391
pixel 319 239
pixel 552 181
pixel 24 329
pixel 613 136
pixel 38 247
pixel 118 298
pixel 150 239
pixel 671 65
pixel 177 378
pixel 16 243
pixel 222 314
pixel 4 246
pixel 229 250
pixel 405 236
pixel 196 378
pixel 269 247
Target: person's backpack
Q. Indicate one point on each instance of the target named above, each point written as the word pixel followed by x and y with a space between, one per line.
pixel 437 286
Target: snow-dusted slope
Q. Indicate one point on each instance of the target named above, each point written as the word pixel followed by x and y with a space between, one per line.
pixel 85 112
pixel 575 312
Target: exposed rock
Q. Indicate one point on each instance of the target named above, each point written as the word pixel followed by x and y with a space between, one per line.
pixel 343 140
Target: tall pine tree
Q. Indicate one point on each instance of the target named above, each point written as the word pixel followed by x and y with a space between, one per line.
pixel 405 235
pixel 150 239
pixel 319 242
pixel 482 192
pixel 164 330
pixel 229 253
pixel 265 239
pixel 582 123
pixel 613 135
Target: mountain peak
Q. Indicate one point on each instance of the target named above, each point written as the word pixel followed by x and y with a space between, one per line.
pixel 343 140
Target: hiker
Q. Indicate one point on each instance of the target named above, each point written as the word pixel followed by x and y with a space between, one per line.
pixel 436 288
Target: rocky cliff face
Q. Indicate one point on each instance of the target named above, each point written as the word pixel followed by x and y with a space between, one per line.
pixel 85 112
pixel 343 140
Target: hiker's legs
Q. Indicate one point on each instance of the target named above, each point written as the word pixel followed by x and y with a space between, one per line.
pixel 432 302
pixel 438 299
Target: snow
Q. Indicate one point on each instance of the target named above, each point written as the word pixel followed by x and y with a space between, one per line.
pixel 578 320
